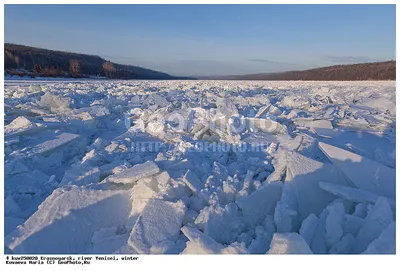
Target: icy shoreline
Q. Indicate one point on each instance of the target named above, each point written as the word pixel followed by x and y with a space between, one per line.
pixel 199 167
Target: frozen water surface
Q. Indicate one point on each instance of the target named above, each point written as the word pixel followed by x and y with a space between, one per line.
pixel 199 167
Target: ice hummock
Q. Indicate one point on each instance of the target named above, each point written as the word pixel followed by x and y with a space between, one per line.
pixel 191 167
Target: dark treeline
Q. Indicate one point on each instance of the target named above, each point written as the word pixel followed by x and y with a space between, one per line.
pixel 364 71
pixel 31 61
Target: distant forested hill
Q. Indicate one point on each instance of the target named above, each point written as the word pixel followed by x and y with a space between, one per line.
pixel 32 61
pixel 364 71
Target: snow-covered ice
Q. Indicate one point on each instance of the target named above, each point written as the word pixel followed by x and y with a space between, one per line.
pixel 378 218
pixel 135 173
pixel 385 243
pixel 199 167
pixel 159 221
pixel 363 172
pixel 67 219
pixel 289 243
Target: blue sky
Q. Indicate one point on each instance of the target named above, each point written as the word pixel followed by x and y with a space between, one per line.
pixel 211 39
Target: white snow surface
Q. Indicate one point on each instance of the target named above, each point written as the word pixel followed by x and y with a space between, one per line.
pixel 199 167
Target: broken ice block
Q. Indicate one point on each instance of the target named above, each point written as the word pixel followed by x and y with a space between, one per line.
pixel 362 172
pixel 162 179
pixel 385 243
pixel 274 110
pixel 382 103
pixel 219 223
pixel 288 243
pixel 286 215
pixel 10 223
pixel 324 132
pixel 264 199
pixel 141 194
pixel 81 176
pixel 193 182
pixel 334 230
pixel 262 111
pixel 378 218
pixel 15 167
pixel 110 244
pixel 159 221
pixel 47 147
pixel 168 247
pixel 35 178
pixel 135 173
pixel 308 227
pixel 28 190
pixel 344 246
pixel 318 244
pixel 326 124
pixel 351 194
pixel 10 206
pixel 55 103
pixel 20 126
pixel 114 167
pixel 361 210
pixel 306 174
pixel 199 243
pixel 260 245
pixel 190 217
pixel 351 223
pixel 264 125
pixel 12 140
pixel 226 107
pixel 69 216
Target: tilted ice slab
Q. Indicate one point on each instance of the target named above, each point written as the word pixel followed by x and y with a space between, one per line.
pixel 67 219
pixel 351 194
pixel 260 203
pixel 80 176
pixel 362 172
pixel 219 223
pixel 46 147
pixel 200 243
pixel 318 244
pixel 378 219
pixel 333 227
pixel 325 124
pixel 306 174
pixel 288 243
pixel 385 243
pixel 383 104
pixel 264 125
pixel 326 132
pixel 10 223
pixel 160 221
pixel 193 182
pixel 308 227
pixel 134 173
pixel 286 212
